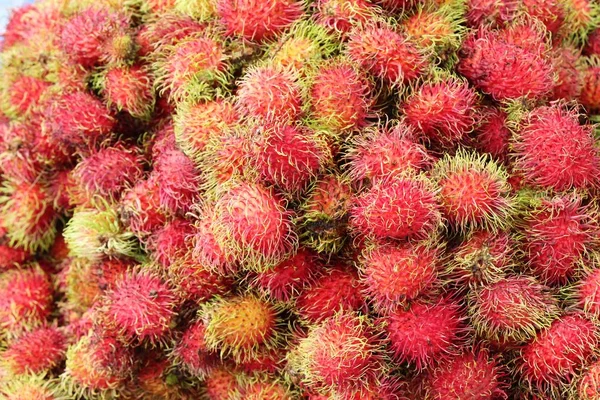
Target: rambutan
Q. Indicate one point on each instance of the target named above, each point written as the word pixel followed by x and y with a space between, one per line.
pixel 443 110
pixel 35 352
pixel 437 26
pixel 157 35
pixel 171 242
pixel 492 136
pixel 156 379
pixel 254 226
pixel 558 352
pixel 592 46
pixel 239 326
pixel 590 92
pixel 263 387
pixel 490 12
pixel 195 282
pixel 288 156
pixel 343 353
pixel 140 306
pixel 25 299
pixel 257 22
pixel 337 289
pixel 470 375
pixel 474 191
pixel 425 333
pixel 195 124
pixel 27 215
pixel 340 16
pixel 221 383
pixel 396 274
pixel 191 352
pixel 128 89
pixel 587 293
pixel 179 181
pixel 582 16
pixel 10 256
pixel 23 95
pixel 140 210
pixel 555 237
pixel 201 10
pixel 387 54
pixel 396 208
pixel 554 151
pixel 568 67
pixel 208 252
pixel 585 387
pixel 339 97
pixel 31 387
pixel 512 309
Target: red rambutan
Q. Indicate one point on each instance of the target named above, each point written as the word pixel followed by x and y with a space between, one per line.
pixel 341 15
pixel 492 135
pixel 191 351
pixel 208 252
pixel 10 256
pixel 567 66
pixel 178 181
pixel 140 208
pixel 23 95
pixel 195 282
pixel 35 352
pixel 490 12
pixel 590 92
pixel 171 242
pixel 129 89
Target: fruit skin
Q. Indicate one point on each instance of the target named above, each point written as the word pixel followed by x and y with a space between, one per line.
pixel 490 12
pixel 589 95
pixel 339 16
pixel 128 89
pixel 256 22
pixel 568 66
pixel 139 308
pixel 31 387
pixel 473 374
pixel 23 95
pixel 342 353
pixel 556 353
pixel 394 275
pixel 424 333
pixel 585 387
pixel 35 352
pixel 474 191
pixel 171 242
pixel 397 208
pixel 208 252
pixel 547 159
pixel 492 136
pixel 10 256
pixel 443 110
pixel 139 208
pixel 586 295
pixel 556 235
pixel 512 309
pixel 191 351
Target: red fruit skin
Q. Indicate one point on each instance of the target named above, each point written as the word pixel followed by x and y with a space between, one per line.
pixel 220 383
pixel 29 22
pixel 340 97
pixel 587 293
pixel 338 289
pixel 287 279
pixel 395 274
pixel 497 67
pixel 258 22
pixel 592 45
pixel 401 208
pixel 269 93
pixel 36 352
pixel 554 151
pixel 78 119
pixel 17 28
pixel 286 155
pixel 490 12
pixel 551 13
pixel 10 257
pixel 140 208
pixel 171 242
pixel 443 111
pixel 492 136
pixel 340 16
pixel 470 375
pixel 25 299
pixel 129 89
pixel 567 65
pixel 25 92
pixel 425 333
pixel 590 93
pixel 196 283
pixel 191 351
pixel 168 30
pixel 208 252
pixel 587 385
pixel 385 53
pixel 139 307
pixel 557 236
pixel 178 181
pixel 556 353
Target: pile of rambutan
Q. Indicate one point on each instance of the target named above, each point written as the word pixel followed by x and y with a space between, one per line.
pixel 311 200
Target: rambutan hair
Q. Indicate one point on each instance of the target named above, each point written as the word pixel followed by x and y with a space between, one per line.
pixel 35 352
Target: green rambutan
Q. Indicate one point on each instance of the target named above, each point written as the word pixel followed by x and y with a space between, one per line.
pixel 35 352
pixel 200 10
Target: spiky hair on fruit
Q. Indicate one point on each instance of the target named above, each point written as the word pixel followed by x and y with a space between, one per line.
pixel 323 216
pixel 585 293
pixel 473 191
pixel 340 16
pixel 220 382
pixel 129 89
pixel 139 208
pixel 556 235
pixel 395 274
pixel 497 67
pixel 442 110
pixel 191 352
pixel 27 215
pixel 288 156
pixel 195 282
pixel 512 309
pixel 338 98
pixel 94 233
pixel 200 10
pixel 157 378
pixel 474 373
pixel 337 289
pixel 492 135
pixel 585 385
pixel 171 242
pixel 35 352
pixel 558 352
pixel 547 159
pixel 97 365
pixel 397 208
pixel 167 30
pixel 303 46
pixel 569 68
pixel 590 93
pixel 208 251
pixel 253 225
pixel 241 326
pixel 266 387
pixel 426 332
pixel 140 307
pixel 582 16
pixel 10 256
pixel 483 257
pixel 22 94
pixel 195 124
pixel 385 52
pixel 31 387
pixel 343 353
pixel 105 174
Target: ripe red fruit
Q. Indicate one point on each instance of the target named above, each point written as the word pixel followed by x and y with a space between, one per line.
pixel 512 309
pixel 195 282
pixel 263 387
pixel 340 16
pixel 558 352
pixel 191 351
pixel 208 252
pixel 140 306
pixel 425 333
pixel 10 257
pixel 396 274
pixel 556 236
pixel 570 76
pixel 554 151
pixel 385 53
pixel 140 208
pixel 178 181
pixel 171 242
pixel 258 22
pixel 443 111
pixel 221 383
pixel 587 293
pixel 31 387
pixel 166 31
pixel 492 135
pixel 590 92
pixel 23 95
pixel 586 386
pixel 129 89
pixel 490 12
pixel 396 208
pixel 35 352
